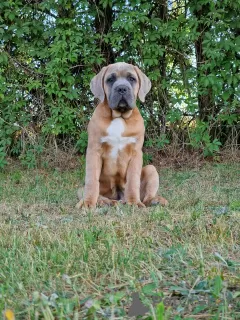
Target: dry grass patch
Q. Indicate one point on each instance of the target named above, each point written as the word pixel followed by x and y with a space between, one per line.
pixel 60 263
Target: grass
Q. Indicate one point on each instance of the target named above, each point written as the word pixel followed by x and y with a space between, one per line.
pixel 60 263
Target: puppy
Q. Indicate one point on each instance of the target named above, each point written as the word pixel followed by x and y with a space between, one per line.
pixel 116 130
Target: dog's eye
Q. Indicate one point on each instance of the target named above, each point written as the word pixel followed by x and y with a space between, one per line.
pixel 131 79
pixel 110 80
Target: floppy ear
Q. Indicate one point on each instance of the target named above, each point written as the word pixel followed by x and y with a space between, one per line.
pixel 96 85
pixel 145 84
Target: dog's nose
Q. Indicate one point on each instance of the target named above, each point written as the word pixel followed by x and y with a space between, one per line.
pixel 122 89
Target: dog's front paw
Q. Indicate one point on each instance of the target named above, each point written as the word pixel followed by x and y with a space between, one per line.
pixel 139 204
pixel 85 204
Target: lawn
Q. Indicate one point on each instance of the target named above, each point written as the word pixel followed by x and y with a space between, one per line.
pixel 182 261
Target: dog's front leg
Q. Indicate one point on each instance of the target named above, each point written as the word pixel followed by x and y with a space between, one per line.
pixel 132 189
pixel 93 171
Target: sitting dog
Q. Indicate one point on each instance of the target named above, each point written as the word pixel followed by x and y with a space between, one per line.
pixel 115 138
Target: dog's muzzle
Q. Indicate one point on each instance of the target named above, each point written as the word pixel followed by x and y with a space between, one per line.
pixel 121 98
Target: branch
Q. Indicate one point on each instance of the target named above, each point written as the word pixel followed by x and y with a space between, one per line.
pixel 15 61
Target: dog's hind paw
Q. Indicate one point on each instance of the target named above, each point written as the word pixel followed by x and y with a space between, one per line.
pixel 158 200
pixel 103 201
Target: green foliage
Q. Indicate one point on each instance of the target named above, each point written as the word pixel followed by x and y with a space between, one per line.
pixel 3 161
pixel 160 311
pixel 217 287
pixel 29 158
pixel 157 143
pixel 82 142
pixel 49 52
pixel 200 139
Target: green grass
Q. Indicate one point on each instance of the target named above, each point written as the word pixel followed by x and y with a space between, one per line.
pixel 60 263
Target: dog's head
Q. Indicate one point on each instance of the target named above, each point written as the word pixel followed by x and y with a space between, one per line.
pixel 120 83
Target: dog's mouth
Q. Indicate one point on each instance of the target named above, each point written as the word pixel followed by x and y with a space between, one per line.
pixel 123 106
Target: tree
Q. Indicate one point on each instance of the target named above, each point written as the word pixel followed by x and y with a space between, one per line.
pixel 49 51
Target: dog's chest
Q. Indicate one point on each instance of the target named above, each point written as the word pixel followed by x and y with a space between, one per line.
pixel 115 139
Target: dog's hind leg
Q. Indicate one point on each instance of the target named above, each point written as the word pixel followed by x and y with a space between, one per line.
pixel 103 201
pixel 149 187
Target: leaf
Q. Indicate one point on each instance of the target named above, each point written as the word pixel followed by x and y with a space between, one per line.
pixel 11 16
pixel 160 311
pixel 3 58
pixel 9 314
pixel 217 286
pixel 236 294
pixel 199 309
pixel 235 205
pixel 115 298
pixel 182 291
pixel 149 288
pixel 225 95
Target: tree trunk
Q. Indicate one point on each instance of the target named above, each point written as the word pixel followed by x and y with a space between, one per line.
pixel 103 22
pixel 205 95
pixel 162 11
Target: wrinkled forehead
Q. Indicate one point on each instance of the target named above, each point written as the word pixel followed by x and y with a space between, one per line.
pixel 121 69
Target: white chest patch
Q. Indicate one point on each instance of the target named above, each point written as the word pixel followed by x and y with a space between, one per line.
pixel 114 137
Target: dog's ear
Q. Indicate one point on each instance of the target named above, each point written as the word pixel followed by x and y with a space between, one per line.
pixel 96 85
pixel 144 85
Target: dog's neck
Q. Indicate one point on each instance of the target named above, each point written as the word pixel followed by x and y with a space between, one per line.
pixel 106 112
pixel 124 115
